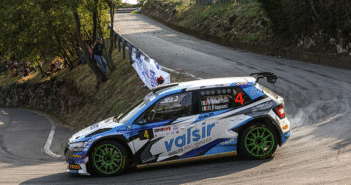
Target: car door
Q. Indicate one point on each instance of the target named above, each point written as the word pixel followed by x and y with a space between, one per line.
pixel 165 129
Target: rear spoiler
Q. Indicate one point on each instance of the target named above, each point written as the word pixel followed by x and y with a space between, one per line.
pixel 271 77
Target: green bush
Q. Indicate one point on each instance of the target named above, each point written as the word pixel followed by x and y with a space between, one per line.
pixel 308 16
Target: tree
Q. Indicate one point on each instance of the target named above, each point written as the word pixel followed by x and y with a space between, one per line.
pixel 100 76
pixel 112 5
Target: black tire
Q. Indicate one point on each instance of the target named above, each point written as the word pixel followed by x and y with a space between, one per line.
pixel 108 158
pixel 258 141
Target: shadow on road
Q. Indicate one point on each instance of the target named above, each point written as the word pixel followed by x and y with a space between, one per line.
pixel 170 174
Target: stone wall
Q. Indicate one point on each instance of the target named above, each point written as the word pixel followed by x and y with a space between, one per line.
pixel 58 97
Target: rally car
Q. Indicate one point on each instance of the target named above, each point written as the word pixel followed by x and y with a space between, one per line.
pixel 185 121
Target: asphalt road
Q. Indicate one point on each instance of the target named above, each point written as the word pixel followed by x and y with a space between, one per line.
pixel 317 103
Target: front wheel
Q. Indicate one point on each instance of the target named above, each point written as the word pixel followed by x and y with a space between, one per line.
pixel 258 141
pixel 108 158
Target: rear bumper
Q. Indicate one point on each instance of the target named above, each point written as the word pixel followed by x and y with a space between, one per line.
pixel 285 137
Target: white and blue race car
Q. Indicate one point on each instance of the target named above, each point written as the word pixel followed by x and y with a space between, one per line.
pixel 185 121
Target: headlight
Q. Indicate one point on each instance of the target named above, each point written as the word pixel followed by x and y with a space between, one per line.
pixel 77 146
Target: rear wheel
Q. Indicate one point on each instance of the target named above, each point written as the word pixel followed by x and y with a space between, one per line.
pixel 258 141
pixel 108 158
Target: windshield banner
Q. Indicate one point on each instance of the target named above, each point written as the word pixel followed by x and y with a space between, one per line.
pixel 149 71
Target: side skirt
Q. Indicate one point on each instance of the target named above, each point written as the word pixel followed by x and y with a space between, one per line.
pixel 199 158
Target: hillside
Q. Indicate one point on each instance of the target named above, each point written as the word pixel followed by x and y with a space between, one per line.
pixel 73 97
pixel 249 27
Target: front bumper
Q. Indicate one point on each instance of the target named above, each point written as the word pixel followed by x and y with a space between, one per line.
pixel 82 171
pixel 77 158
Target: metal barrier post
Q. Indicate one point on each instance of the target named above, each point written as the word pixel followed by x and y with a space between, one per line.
pixel 119 43
pixel 124 49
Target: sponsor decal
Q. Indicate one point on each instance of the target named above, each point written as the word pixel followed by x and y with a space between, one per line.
pixel 146 134
pixel 165 131
pixel 202 87
pixel 255 92
pixel 107 120
pixel 94 126
pixel 124 161
pixel 215 100
pixel 77 156
pixel 285 127
pixel 74 166
pixel 190 146
pixel 190 137
pixel 241 83
pixel 263 106
pixel 214 107
pixel 207 115
pixel 214 103
pixel 219 85
pixel 148 159
pixel 229 142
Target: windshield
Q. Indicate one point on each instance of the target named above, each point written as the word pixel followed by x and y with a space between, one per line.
pixel 132 113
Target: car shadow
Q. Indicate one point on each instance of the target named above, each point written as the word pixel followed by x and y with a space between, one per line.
pixel 171 174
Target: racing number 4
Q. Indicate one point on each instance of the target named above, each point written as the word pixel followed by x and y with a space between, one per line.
pixel 239 98
pixel 146 134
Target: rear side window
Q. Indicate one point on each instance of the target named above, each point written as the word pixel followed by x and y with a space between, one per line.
pixel 240 97
pixel 222 98
pixel 216 99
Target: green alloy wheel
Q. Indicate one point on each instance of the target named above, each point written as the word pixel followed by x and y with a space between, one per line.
pixel 258 141
pixel 108 158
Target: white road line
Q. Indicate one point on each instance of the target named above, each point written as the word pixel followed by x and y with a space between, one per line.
pixel 50 138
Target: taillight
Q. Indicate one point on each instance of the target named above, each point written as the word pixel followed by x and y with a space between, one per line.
pixel 280 111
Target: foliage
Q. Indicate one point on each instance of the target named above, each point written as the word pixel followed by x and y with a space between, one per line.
pixel 308 16
pixel 33 30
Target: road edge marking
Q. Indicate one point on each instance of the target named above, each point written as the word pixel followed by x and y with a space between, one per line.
pixel 50 138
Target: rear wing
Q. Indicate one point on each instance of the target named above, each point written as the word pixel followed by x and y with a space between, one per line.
pixel 271 77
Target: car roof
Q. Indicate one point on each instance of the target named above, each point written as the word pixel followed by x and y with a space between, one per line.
pixel 205 84
pixel 217 82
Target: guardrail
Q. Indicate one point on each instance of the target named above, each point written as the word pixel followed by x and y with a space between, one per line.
pixel 125 10
pixel 148 69
pixel 209 2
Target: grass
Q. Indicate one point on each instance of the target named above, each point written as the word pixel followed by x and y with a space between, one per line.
pixel 215 19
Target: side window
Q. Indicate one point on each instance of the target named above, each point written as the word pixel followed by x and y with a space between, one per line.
pixel 170 107
pixel 222 98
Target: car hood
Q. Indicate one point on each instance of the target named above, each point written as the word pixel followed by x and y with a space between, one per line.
pixel 107 123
